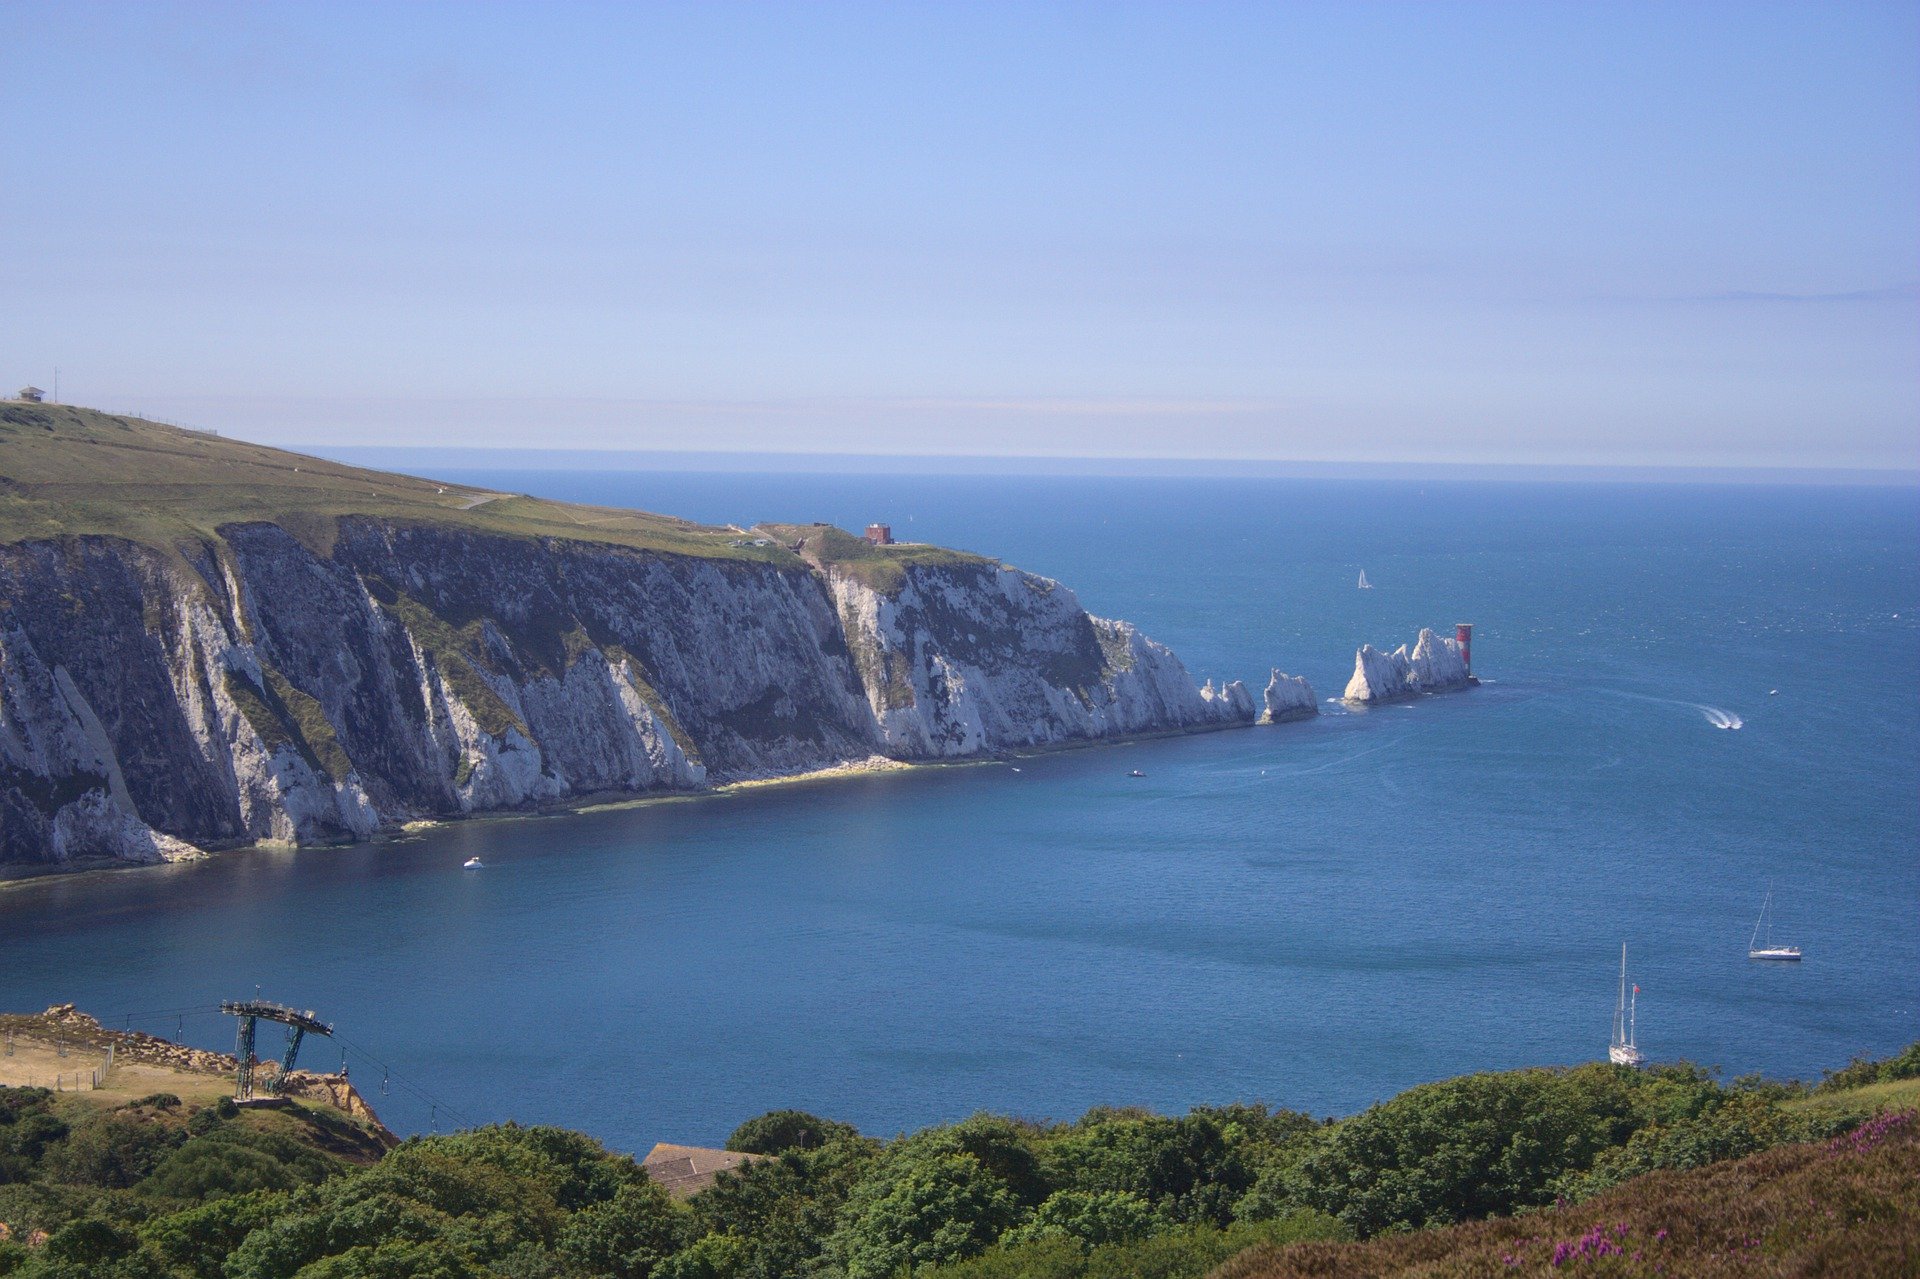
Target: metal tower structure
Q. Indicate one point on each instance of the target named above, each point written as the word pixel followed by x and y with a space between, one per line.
pixel 298 1025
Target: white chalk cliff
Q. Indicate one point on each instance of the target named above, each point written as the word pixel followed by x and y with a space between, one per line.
pixel 963 659
pixel 259 689
pixel 1434 666
pixel 1290 697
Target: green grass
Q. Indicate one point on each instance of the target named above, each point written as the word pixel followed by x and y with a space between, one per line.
pixel 883 568
pixel 1894 1094
pixel 282 715
pixel 68 472
pixel 453 653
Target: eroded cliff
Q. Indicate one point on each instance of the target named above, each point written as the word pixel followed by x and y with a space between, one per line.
pixel 314 679
pixel 1435 665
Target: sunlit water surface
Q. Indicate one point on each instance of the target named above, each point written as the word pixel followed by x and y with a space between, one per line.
pixel 1316 914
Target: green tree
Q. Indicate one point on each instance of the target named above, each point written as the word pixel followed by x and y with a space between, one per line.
pixel 785 1208
pixel 1183 1167
pixel 399 1259
pixel 574 1169
pixel 1092 1218
pixel 197 1241
pixel 1464 1148
pixel 112 1149
pixel 202 1170
pixel 779 1131
pixel 708 1257
pixel 629 1235
pixel 929 1207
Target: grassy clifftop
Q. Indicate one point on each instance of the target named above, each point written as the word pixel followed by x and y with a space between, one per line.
pixel 68 471
pixel 881 567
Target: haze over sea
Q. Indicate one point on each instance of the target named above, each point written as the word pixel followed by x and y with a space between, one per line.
pixel 1316 914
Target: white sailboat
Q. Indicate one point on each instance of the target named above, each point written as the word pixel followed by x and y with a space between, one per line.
pixel 1622 1051
pixel 1755 950
pixel 1365 585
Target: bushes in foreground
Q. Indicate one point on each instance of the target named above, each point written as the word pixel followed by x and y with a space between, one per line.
pixel 153 1191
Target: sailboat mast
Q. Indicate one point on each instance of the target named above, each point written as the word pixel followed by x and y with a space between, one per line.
pixel 1620 1008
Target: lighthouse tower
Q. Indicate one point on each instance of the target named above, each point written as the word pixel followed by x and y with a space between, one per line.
pixel 1463 636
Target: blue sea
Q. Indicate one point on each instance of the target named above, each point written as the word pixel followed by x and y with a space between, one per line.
pixel 1316 915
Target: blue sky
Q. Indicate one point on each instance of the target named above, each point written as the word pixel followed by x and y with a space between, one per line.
pixel 1582 233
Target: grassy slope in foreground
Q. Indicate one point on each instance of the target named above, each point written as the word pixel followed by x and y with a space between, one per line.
pixel 152 1189
pixel 68 471
pixel 1844 1207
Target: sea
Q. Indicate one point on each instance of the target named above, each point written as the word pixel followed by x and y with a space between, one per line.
pixel 1693 694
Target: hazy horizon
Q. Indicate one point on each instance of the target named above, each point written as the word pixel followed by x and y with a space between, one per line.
pixel 1557 234
pixel 434 459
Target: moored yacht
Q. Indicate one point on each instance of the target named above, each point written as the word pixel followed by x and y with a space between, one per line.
pixel 1622 1051
pixel 1755 950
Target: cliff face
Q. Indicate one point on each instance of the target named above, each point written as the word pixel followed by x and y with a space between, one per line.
pixel 1434 666
pixel 971 658
pixel 1289 697
pixel 261 687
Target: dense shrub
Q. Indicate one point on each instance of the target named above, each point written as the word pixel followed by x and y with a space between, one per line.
pixel 1185 1169
pixel 113 1149
pixel 928 1207
pixel 629 1235
pixel 1862 1071
pixel 1092 1217
pixel 1478 1145
pixel 1186 1252
pixel 779 1131
pixel 155 1191
pixel 785 1209
pixel 1740 1125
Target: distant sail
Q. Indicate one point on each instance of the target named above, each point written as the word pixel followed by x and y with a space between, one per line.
pixel 1365 585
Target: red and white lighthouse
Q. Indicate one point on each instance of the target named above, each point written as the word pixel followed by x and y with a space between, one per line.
pixel 1463 636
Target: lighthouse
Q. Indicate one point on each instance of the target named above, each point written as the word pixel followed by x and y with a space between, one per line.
pixel 1463 636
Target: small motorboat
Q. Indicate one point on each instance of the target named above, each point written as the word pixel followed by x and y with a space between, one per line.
pixel 1136 773
pixel 1773 692
pixel 473 863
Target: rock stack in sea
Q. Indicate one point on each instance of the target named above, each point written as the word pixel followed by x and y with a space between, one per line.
pixel 1290 697
pixel 1434 666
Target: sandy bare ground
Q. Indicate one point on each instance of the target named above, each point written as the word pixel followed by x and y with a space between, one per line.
pixel 37 1063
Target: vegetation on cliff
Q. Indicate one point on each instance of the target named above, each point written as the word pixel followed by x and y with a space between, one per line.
pixel 69 472
pixel 1534 1159
pixel 210 643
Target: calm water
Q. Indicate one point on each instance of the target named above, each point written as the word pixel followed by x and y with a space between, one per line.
pixel 1317 915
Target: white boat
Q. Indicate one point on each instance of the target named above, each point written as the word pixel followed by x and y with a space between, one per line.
pixel 473 863
pixel 1622 1051
pixel 1365 585
pixel 1136 773
pixel 1755 950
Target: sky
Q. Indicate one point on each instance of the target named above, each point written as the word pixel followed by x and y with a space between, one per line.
pixel 1612 234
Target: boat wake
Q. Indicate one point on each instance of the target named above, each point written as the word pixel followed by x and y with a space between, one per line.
pixel 1717 716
